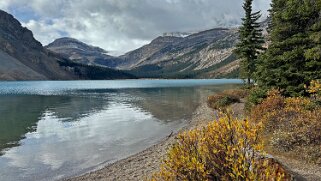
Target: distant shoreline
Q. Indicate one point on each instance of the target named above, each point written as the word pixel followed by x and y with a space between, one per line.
pixel 117 79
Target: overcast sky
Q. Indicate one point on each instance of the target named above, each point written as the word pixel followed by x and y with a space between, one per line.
pixel 123 25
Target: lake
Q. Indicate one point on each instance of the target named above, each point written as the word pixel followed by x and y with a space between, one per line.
pixel 56 129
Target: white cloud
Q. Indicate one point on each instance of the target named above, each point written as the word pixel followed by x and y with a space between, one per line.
pixel 4 5
pixel 43 31
pixel 122 25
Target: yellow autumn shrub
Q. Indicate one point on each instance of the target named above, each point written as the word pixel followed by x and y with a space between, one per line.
pixel 315 91
pixel 292 125
pixel 315 87
pixel 226 149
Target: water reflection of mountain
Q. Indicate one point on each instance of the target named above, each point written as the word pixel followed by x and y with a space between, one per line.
pixel 20 114
pixel 165 104
pixel 168 104
pixel 73 108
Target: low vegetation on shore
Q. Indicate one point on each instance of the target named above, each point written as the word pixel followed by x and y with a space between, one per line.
pixel 221 101
pixel 292 125
pixel 282 109
pixel 230 148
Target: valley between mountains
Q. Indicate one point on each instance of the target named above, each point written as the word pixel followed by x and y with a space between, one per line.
pixel 205 54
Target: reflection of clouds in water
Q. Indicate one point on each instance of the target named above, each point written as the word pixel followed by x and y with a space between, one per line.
pixel 50 159
pixel 87 128
pixel 102 136
pixel 18 156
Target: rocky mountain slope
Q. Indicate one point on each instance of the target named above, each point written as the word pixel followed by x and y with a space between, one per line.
pixel 24 58
pixel 139 56
pixel 206 54
pixel 20 52
pixel 197 55
pixel 82 53
pixel 13 69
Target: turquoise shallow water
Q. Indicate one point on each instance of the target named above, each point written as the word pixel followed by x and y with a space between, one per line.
pixel 54 129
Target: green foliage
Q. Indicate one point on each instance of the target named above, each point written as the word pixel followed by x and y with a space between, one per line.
pixel 293 57
pixel 256 96
pixel 251 41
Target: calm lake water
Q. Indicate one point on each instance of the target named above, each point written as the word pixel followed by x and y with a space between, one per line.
pixel 55 129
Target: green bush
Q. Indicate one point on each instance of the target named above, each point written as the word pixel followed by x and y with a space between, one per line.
pixel 255 97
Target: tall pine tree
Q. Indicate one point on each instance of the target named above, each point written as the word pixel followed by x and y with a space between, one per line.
pixel 293 57
pixel 251 41
pixel 312 54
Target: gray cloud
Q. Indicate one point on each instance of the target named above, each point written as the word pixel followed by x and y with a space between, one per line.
pixel 122 25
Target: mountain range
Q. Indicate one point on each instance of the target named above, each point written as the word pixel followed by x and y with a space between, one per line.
pixel 204 54
pixel 199 55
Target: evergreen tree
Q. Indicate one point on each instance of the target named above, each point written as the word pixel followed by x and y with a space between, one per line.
pixel 312 55
pixel 293 57
pixel 251 40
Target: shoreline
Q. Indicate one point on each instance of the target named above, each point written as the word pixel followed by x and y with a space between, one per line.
pixel 142 165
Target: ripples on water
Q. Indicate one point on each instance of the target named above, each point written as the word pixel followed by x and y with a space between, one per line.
pixel 54 129
pixel 62 87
